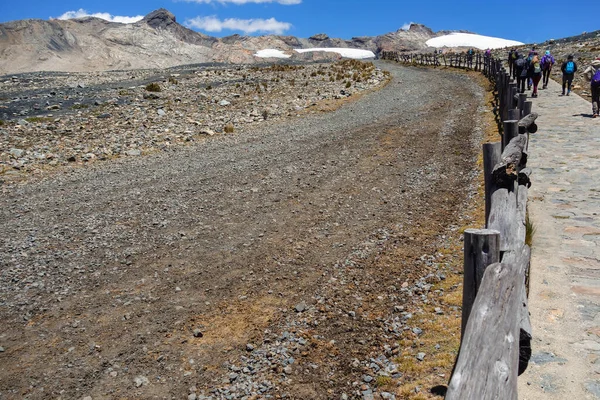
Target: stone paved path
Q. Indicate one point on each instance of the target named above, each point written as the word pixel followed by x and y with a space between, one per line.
pixel 564 205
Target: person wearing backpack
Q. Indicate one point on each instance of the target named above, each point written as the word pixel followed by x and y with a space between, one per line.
pixel 547 64
pixel 515 57
pixel 592 73
pixel 568 69
pixel 511 61
pixel 528 61
pixel 535 72
pixel 521 69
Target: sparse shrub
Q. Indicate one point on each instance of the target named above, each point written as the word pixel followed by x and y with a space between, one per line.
pixel 1 122
pixel 348 84
pixel 153 87
pixel 313 74
pixel 383 381
pixel 265 114
pixel 173 81
pixel 124 92
pixel 229 128
pixel 79 106
pixel 293 82
pixel 208 87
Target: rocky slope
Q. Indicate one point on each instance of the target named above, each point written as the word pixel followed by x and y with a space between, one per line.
pixel 158 41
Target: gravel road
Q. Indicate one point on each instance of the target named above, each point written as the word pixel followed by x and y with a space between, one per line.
pixel 263 264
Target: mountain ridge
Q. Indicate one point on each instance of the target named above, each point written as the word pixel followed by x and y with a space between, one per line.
pixel 157 41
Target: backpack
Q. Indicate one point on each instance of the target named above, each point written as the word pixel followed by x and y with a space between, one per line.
pixel 547 62
pixel 513 55
pixel 520 63
pixel 570 67
pixel 537 68
pixel 596 78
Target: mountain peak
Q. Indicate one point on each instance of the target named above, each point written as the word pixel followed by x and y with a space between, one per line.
pixel 160 18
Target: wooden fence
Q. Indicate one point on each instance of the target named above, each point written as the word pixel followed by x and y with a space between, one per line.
pixel 496 331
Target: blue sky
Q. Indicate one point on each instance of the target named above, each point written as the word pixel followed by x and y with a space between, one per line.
pixel 533 22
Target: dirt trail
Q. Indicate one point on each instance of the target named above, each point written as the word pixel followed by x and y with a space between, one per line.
pixel 181 272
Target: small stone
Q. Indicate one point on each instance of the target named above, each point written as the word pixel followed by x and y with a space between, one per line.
pixel 198 333
pixel 141 381
pixel 300 307
pixel 367 378
pixel 161 112
pixel 287 370
pixel 104 116
pixel 224 103
pixel 17 153
pixel 207 131
pixel 192 396
pixel 87 398
pixel 178 289
pixel 133 152
pixel 421 356
pixel 233 376
pixel 23 122
pixel 249 347
pixel 1 349
pixel 417 331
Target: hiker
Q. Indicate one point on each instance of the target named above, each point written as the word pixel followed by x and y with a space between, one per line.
pixel 529 71
pixel 511 60
pixel 592 74
pixel 568 69
pixel 470 53
pixel 521 72
pixel 515 57
pixel 535 72
pixel 547 63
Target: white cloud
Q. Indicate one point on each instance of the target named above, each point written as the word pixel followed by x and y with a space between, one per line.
pixel 406 26
pixel 106 16
pixel 214 24
pixel 284 2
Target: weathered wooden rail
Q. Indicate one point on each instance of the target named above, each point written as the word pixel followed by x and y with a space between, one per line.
pixel 496 331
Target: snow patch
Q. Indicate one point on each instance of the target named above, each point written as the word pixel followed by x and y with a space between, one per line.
pixel 471 40
pixel 356 54
pixel 271 53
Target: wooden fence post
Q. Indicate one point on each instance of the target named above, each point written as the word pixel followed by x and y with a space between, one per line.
pixel 492 152
pixel 482 248
pixel 511 130
pixel 527 108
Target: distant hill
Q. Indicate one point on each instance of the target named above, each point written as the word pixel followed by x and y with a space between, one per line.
pixel 159 41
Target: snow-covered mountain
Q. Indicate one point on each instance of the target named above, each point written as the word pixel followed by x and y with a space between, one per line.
pixel 158 41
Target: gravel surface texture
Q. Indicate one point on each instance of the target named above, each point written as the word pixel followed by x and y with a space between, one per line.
pixel 285 262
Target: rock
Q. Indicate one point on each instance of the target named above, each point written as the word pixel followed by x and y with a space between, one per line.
pixel 249 347
pixel 17 153
pixel 161 112
pixel 1 349
pixel 133 152
pixel 417 331
pixel 104 115
pixel 141 381
pixel 198 333
pixel 207 131
pixel 87 398
pixel 53 107
pixel 367 378
pixel 387 396
pixel 23 122
pixel 224 103
pixel 192 396
pixel 287 370
pixel 233 376
pixel 300 307
pixel 421 356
